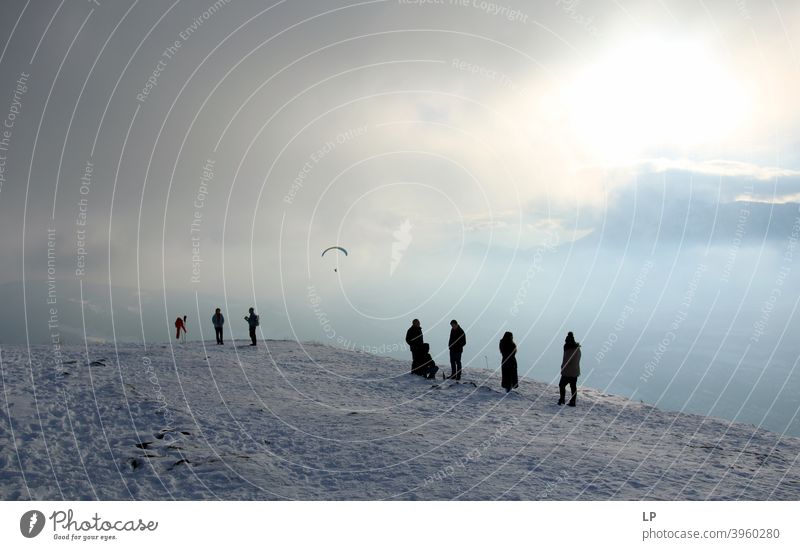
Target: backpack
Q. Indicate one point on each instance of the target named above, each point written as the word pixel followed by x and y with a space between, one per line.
pixel 255 324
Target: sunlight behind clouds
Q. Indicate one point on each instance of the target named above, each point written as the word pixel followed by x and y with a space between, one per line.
pixel 655 92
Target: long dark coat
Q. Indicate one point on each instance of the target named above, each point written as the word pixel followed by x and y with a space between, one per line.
pixel 415 344
pixel 414 337
pixel 508 368
pixel 571 364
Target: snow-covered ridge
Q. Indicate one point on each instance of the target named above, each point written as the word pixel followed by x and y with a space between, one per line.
pixel 306 421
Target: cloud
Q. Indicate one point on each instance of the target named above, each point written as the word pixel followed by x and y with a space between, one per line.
pixel 774 199
pixel 723 181
pixel 465 127
pixel 722 168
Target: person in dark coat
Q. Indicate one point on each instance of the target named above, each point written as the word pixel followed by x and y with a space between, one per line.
pixel 508 368
pixel 252 323
pixel 456 343
pixel 414 341
pixel 427 367
pixel 218 320
pixel 570 369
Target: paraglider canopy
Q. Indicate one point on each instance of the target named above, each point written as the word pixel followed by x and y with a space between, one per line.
pixel 334 248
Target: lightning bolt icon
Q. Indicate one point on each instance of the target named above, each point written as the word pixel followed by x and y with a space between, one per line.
pixel 34 520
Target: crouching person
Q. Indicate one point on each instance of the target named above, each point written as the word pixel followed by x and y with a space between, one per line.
pixel 428 368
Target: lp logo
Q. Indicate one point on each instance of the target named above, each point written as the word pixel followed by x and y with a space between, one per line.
pixel 31 523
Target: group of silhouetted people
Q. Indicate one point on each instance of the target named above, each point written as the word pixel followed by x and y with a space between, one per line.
pixel 218 320
pixel 422 363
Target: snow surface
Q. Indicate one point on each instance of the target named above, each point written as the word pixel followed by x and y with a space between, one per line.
pixel 306 421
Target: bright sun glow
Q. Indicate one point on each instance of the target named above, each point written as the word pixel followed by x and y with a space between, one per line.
pixel 654 93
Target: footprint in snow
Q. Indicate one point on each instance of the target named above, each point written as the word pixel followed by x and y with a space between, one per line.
pixel 181 461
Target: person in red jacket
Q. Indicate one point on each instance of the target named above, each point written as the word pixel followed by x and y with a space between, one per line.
pixel 180 324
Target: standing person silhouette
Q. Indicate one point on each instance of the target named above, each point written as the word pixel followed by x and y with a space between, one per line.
pixel 415 341
pixel 180 324
pixel 456 343
pixel 218 320
pixel 252 323
pixel 508 368
pixel 570 369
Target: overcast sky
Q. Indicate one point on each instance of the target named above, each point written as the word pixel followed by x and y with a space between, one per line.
pixel 513 164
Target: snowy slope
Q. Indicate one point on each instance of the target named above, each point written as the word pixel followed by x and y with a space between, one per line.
pixel 292 421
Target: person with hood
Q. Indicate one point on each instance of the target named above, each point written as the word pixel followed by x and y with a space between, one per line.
pixel 252 322
pixel 414 341
pixel 427 368
pixel 218 320
pixel 180 324
pixel 508 368
pixel 456 343
pixel 570 369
